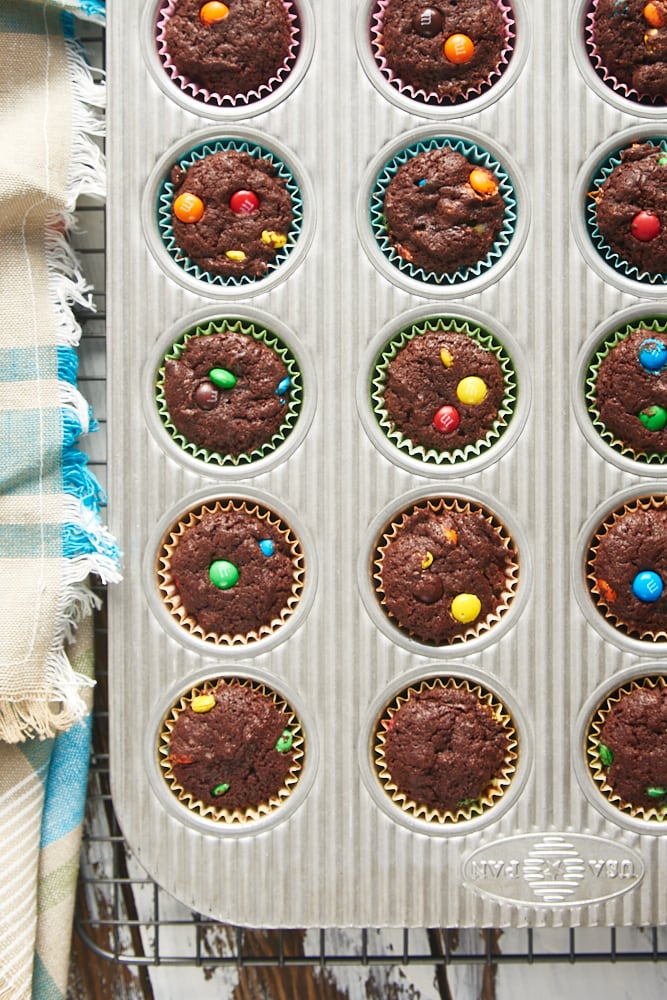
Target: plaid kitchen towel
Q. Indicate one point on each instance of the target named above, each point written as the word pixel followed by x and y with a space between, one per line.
pixel 51 535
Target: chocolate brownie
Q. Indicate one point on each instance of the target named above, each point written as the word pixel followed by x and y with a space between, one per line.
pixel 444 572
pixel 633 747
pixel 630 393
pixel 246 213
pixel 631 208
pixel 234 570
pixel 443 390
pixel 237 753
pixel 628 569
pixel 229 53
pixel 442 212
pixel 630 39
pixel 227 392
pixel 444 748
pixel 417 43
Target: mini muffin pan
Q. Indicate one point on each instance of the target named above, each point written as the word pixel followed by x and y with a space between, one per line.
pixel 550 849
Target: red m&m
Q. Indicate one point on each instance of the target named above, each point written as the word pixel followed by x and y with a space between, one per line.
pixel 446 419
pixel 244 202
pixel 645 226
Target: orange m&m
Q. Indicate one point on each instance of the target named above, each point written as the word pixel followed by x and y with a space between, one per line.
pixel 459 48
pixel 483 182
pixel 655 14
pixel 213 11
pixel 188 207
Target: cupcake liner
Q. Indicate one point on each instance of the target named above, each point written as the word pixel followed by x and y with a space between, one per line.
pixel 469 809
pixel 208 97
pixel 597 753
pixel 610 256
pixel 651 326
pixel 237 816
pixel 597 587
pixel 626 90
pixel 165 198
pixel 293 397
pixel 437 506
pixel 168 590
pixel 466 452
pixel 476 156
pixel 469 91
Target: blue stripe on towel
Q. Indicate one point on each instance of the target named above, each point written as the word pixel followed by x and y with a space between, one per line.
pixel 66 782
pixel 24 364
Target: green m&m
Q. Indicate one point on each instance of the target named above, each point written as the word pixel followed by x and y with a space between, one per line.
pixel 223 574
pixel 654 418
pixel 222 378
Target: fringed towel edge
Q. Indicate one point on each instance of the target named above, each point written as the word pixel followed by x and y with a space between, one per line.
pixel 89 550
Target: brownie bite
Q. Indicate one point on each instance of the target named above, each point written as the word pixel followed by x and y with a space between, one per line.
pixel 228 393
pixel 628 394
pixel 445 750
pixel 627 568
pixel 630 210
pixel 231 213
pixel 230 49
pixel 445 571
pixel 629 748
pixel 443 391
pixel 230 572
pixel 442 212
pixel 445 52
pixel 231 750
pixel 628 45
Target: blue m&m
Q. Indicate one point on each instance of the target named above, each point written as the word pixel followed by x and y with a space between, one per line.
pixel 647 586
pixel 653 355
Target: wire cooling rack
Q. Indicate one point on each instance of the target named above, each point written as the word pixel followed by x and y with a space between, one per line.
pixel 123 916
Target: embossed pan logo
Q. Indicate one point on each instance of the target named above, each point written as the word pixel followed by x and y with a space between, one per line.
pixel 553 869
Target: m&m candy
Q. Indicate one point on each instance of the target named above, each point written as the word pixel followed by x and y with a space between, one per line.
pixel 645 226
pixel 459 48
pixel 188 207
pixel 446 419
pixel 647 586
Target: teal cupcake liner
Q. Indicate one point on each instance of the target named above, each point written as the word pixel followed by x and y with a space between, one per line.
pixel 477 156
pixel 610 256
pixel 485 339
pixel 651 325
pixel 293 396
pixel 165 197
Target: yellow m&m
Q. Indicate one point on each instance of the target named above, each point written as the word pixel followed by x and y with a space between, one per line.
pixel 466 608
pixel 471 390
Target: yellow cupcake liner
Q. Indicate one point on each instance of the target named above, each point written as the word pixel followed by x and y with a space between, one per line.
pixel 596 765
pixel 641 503
pixel 438 506
pixel 468 810
pixel 233 816
pixel 172 599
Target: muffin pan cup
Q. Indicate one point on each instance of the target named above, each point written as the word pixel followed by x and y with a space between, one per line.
pixel 338 851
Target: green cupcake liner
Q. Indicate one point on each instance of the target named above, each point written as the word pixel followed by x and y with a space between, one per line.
pixel 610 256
pixel 294 396
pixel 477 156
pixel 651 325
pixel 165 197
pixel 485 339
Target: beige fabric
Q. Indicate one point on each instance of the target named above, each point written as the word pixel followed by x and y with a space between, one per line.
pixel 36 125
